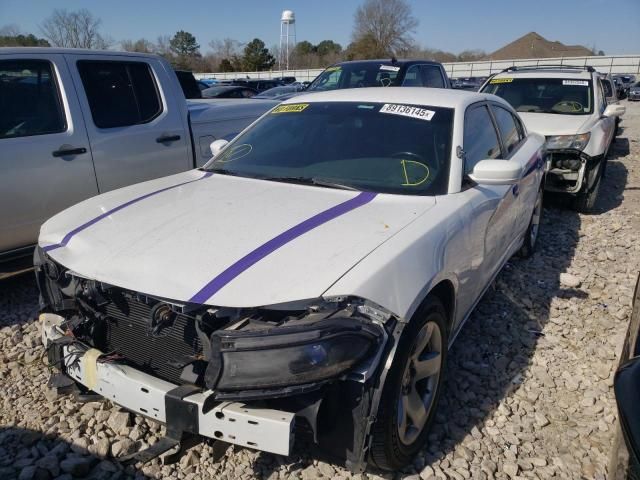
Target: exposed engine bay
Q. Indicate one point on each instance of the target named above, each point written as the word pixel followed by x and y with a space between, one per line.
pixel 568 170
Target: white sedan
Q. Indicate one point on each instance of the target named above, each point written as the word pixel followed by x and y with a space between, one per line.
pixel 312 275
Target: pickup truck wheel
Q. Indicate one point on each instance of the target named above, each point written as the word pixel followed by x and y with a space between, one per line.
pixel 412 388
pixel 531 236
pixel 586 199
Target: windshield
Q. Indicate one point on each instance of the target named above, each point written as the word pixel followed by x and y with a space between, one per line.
pixel 355 75
pixel 544 95
pixel 386 148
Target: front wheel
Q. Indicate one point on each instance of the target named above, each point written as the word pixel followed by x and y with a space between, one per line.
pixel 412 388
pixel 586 199
pixel 531 236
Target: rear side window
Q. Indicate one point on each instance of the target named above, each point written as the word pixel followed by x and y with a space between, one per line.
pixel 423 76
pixel 608 91
pixel 120 93
pixel 480 138
pixel 508 127
pixel 30 103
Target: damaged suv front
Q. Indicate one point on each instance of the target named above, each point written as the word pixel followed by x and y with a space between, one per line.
pixel 249 376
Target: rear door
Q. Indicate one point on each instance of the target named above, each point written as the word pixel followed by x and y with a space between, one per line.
pixel 607 124
pixel 135 118
pixel 44 150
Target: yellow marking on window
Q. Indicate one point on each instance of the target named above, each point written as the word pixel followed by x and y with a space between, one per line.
pixel 501 80
pixel 406 175
pixel 293 108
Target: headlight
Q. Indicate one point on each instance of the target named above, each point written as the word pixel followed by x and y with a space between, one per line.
pixel 562 142
pixel 287 356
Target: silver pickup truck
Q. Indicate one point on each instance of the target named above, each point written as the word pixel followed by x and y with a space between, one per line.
pixel 75 123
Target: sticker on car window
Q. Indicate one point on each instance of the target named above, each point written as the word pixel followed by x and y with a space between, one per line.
pixel 415 173
pixel 582 83
pixel 389 68
pixel 408 111
pixel 293 108
pixel 332 69
pixel 501 80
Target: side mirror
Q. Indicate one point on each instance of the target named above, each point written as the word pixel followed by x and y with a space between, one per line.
pixel 217 146
pixel 496 172
pixel 614 110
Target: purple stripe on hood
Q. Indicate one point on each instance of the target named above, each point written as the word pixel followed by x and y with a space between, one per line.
pixel 278 241
pixel 95 220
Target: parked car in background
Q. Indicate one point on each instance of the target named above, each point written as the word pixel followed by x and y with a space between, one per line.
pixel 336 192
pixel 75 123
pixel 568 106
pixel 627 81
pixel 228 91
pixel 620 90
pixel 634 92
pixel 285 80
pixel 624 463
pixel 258 85
pixel 203 86
pixel 279 92
pixel 468 83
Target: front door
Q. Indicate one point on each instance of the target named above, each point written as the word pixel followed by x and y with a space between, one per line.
pixel 45 158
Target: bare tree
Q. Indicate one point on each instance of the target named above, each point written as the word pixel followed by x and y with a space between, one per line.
pixel 141 45
pixel 383 28
pixel 76 29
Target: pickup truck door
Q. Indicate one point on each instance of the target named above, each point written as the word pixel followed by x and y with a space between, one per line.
pixel 45 158
pixel 136 117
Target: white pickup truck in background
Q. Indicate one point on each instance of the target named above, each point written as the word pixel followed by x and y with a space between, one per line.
pixel 76 123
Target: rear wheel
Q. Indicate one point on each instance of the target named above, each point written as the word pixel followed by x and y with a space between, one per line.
pixel 412 389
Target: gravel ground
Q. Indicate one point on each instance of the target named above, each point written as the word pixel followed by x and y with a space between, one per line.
pixel 529 382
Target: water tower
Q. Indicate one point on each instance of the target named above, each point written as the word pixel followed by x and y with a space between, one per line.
pixel 287 38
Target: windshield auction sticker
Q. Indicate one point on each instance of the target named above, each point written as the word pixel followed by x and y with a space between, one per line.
pixel 581 83
pixel 389 68
pixel 501 80
pixel 293 108
pixel 408 111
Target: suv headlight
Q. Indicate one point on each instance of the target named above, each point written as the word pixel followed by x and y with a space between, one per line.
pixel 562 142
pixel 287 356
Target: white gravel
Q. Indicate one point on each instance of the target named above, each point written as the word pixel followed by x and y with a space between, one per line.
pixel 529 384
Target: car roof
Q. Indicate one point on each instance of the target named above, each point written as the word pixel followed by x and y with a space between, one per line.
pixel 400 62
pixel 435 97
pixel 546 73
pixel 82 51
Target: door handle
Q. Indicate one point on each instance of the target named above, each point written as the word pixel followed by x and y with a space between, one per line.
pixel 64 151
pixel 167 138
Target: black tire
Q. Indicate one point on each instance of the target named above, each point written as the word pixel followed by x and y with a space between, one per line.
pixel 533 230
pixel 586 199
pixel 388 451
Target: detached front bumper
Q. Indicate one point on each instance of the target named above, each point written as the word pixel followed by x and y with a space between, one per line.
pixel 232 422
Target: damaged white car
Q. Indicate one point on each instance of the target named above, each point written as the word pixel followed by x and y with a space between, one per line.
pixel 307 281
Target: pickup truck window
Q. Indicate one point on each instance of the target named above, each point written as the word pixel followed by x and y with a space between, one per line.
pixel 29 100
pixel 120 93
pixel 480 138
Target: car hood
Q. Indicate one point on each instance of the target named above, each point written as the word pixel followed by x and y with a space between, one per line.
pixel 554 124
pixel 226 241
pixel 207 110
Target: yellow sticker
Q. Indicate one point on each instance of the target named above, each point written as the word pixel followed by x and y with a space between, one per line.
pixel 332 69
pixel 293 108
pixel 420 176
pixel 501 80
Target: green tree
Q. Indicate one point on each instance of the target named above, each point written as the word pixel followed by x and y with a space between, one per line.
pixel 226 66
pixel 328 47
pixel 257 57
pixel 304 48
pixel 21 40
pixel 184 44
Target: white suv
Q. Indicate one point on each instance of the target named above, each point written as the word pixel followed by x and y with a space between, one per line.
pixel 569 107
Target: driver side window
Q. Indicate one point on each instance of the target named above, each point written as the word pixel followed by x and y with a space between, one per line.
pixel 480 137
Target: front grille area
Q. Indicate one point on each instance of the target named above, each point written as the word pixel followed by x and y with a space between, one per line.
pixel 128 333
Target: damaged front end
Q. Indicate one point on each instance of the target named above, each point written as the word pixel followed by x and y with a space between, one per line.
pixel 568 167
pixel 255 377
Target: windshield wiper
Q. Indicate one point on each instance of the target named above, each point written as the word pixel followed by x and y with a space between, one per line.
pixel 311 181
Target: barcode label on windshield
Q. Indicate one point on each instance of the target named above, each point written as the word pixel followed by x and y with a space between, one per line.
pixel 389 68
pixel 408 111
pixel 582 83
